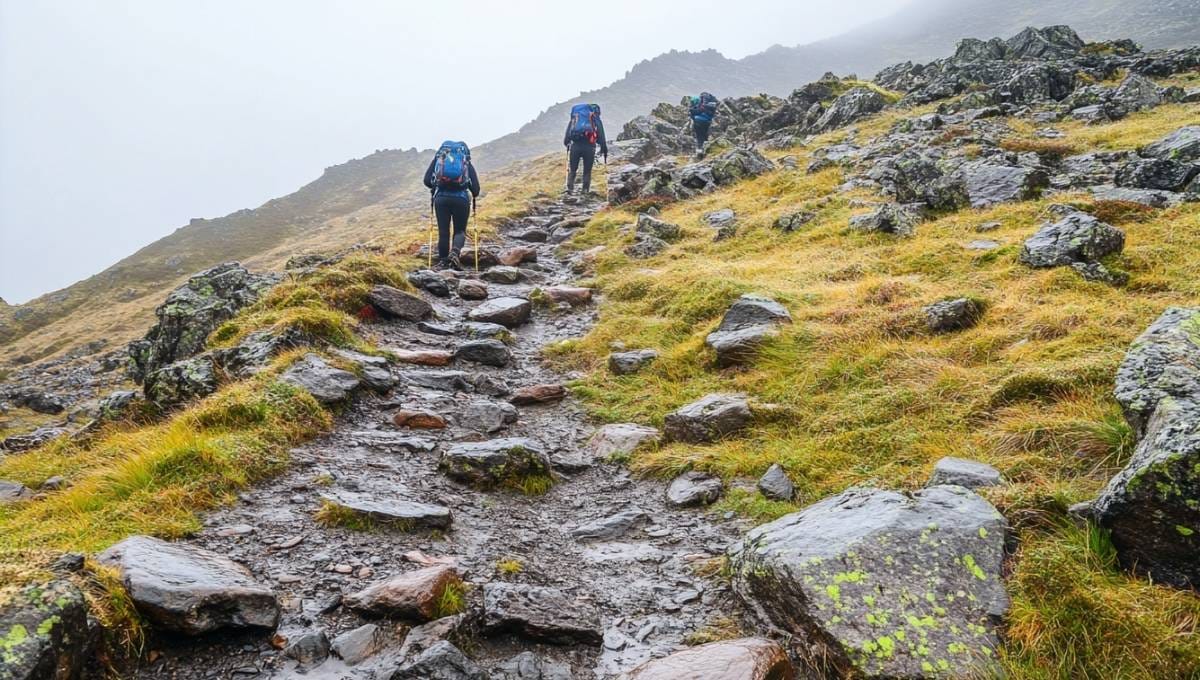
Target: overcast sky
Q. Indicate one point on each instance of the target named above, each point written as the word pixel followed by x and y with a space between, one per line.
pixel 122 119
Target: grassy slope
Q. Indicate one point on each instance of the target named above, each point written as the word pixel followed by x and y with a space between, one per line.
pixel 868 397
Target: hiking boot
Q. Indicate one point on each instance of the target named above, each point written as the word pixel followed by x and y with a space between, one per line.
pixel 453 262
pixel 440 265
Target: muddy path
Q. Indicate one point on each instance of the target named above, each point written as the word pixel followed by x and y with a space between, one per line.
pixel 646 585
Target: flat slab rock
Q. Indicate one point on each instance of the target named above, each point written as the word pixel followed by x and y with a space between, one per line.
pixel 622 439
pixel 694 488
pixel 708 419
pixel 537 613
pixel 394 511
pixel 506 311
pixel 397 304
pixel 185 589
pixel 970 474
pixel 325 383
pixel 628 363
pixel 882 584
pixel 744 659
pixel 412 595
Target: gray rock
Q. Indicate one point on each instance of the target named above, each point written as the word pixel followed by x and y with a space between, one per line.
pixel 540 614
pixel 855 105
pixel 965 473
pixel 430 281
pixel 358 645
pixel 481 330
pixel 191 312
pixel 708 419
pixel 436 329
pixel 737 347
pixel 1182 146
pixel 186 589
pixel 309 648
pixel 851 574
pixel 488 416
pixel 376 372
pixel 444 381
pixel 795 220
pixel 494 462
pixel 952 315
pixel 754 310
pixel 1078 237
pixel 487 352
pixel 1152 198
pixel 28 442
pixel 1155 173
pixel 628 363
pixel 988 183
pixel 889 218
pixel 470 289
pixel 529 666
pixel 982 244
pixel 746 325
pixel 506 311
pixel 442 661
pixel 1094 271
pixel 183 381
pixel 1136 93
pixel 611 527
pixel 405 514
pixel 646 247
pixel 724 222
pixel 503 275
pixel 694 488
pixel 1162 364
pixel 394 303
pixel 739 164
pixel 648 225
pixel 776 485
pixel 37 401
pixel 621 440
pixel 53 641
pixel 325 383
pixel 11 492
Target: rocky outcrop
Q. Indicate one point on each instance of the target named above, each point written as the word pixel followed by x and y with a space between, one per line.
pixel 189 590
pixel 1152 507
pixel 44 633
pixel 665 178
pixel 193 311
pixel 880 584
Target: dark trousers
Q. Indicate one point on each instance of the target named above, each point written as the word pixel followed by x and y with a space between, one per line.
pixel 581 151
pixel 700 127
pixel 451 208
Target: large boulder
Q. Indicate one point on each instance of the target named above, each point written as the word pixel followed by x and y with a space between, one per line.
pixel 1152 507
pixel 1183 146
pixel 739 164
pixel 708 419
pixel 989 183
pixel 44 633
pixel 191 312
pixel 540 614
pixel 189 590
pixel 182 381
pixel 325 383
pixel 1051 42
pixel 494 462
pixel 880 584
pixel 852 106
pixel 744 659
pixel 749 322
pixel 1155 173
pixel 1078 237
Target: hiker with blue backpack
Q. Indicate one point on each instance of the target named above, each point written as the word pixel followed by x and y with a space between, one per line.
pixel 585 131
pixel 703 111
pixel 454 185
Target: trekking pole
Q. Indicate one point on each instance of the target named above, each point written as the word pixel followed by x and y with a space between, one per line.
pixel 475 232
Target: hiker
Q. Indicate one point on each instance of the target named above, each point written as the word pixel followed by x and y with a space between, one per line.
pixel 703 111
pixel 453 184
pixel 584 131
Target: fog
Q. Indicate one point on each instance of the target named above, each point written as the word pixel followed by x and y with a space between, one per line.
pixel 120 120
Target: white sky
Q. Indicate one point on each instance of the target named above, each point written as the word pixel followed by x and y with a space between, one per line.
pixel 122 119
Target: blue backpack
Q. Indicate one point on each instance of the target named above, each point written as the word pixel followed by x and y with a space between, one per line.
pixel 452 166
pixel 585 122
pixel 704 107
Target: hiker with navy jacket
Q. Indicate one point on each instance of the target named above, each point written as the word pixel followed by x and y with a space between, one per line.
pixel 454 185
pixel 585 130
pixel 703 111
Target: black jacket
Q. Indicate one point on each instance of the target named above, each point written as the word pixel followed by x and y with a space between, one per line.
pixel 431 184
pixel 600 138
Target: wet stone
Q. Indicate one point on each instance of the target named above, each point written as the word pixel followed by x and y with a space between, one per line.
pixel 776 485
pixel 529 666
pixel 438 328
pixel 503 275
pixel 494 462
pixel 569 295
pixel 190 590
pixel 423 357
pixel 485 330
pixel 53 639
pixel 611 527
pixel 444 381
pixel 744 659
pixel 488 416
pixel 628 363
pixel 472 290
pixel 397 304
pixel 541 614
pixel 488 352
pixel 414 595
pixel 308 648
pixel 441 661
pixel 538 394
pixel 965 473
pixel 506 311
pixel 518 255
pixel 708 419
pixel 620 440
pixel 325 383
pixel 430 281
pixel 694 488
pixel 418 420
pixel 360 644
pixel 405 514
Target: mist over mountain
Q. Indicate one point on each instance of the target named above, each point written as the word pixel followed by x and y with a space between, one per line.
pixel 924 30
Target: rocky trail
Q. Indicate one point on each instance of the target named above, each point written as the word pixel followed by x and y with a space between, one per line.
pixel 605 565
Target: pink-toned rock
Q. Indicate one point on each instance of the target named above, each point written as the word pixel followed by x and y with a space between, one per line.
pixel 419 420
pixel 413 595
pixel 423 357
pixel 538 394
pixel 745 659
pixel 518 255
pixel 569 294
pixel 472 289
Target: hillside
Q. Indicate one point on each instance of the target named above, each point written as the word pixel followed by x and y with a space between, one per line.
pixel 902 380
pixel 117 302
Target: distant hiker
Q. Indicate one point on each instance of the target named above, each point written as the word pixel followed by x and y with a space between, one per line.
pixel 703 111
pixel 584 131
pixel 454 185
